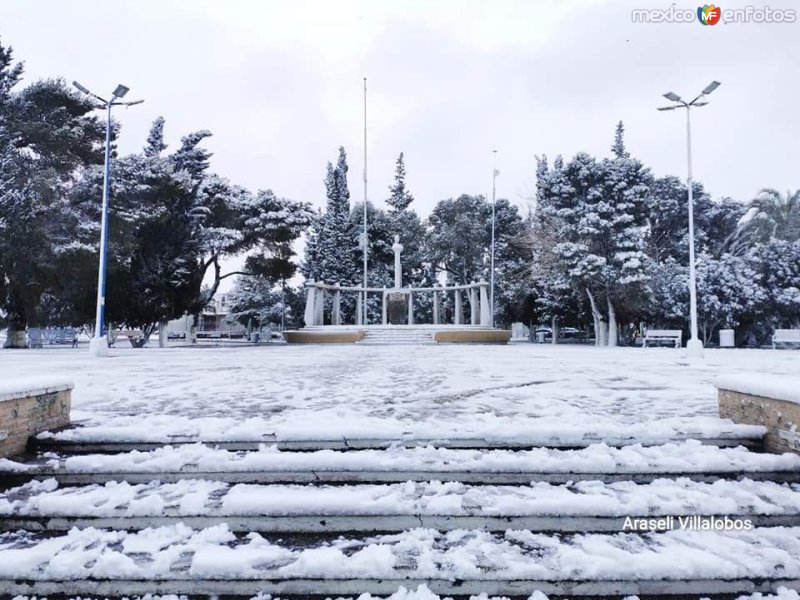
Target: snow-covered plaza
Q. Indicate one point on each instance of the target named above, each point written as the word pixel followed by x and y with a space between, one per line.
pixel 249 393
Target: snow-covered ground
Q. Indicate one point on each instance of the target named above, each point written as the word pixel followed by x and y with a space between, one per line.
pixel 257 393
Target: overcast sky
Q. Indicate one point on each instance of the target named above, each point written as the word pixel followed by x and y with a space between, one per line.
pixel 279 83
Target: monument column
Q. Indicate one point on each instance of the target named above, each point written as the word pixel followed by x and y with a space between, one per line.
pixel 458 316
pixel 435 307
pixel 336 318
pixel 319 307
pixel 486 311
pixel 473 306
pixel 308 315
pixel 398 270
pixel 359 308
pixel 384 313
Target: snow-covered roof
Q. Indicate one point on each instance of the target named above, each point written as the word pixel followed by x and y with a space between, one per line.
pixel 33 386
pixel 779 387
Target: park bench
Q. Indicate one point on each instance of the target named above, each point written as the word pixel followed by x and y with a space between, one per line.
pixel 131 334
pixel 673 336
pixel 34 337
pixel 785 336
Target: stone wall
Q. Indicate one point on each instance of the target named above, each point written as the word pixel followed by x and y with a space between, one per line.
pixel 323 337
pixel 780 417
pixel 473 336
pixel 31 410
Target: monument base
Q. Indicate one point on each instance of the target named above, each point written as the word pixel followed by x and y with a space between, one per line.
pixel 398 334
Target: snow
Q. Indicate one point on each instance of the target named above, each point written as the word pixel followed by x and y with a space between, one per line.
pixel 33 385
pixel 216 553
pixel 756 384
pixel 424 593
pixel 587 498
pixel 690 456
pixel 520 391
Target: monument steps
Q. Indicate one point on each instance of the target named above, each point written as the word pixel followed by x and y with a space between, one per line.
pixel 112 525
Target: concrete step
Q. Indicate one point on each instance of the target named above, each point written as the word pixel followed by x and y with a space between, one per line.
pixel 38 445
pixel 269 465
pixel 590 506
pixel 180 560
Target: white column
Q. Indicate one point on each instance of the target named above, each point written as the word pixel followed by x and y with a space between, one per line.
pixel 435 307
pixel 457 316
pixel 384 310
pixel 398 270
pixel 308 315
pixel 319 307
pixel 410 308
pixel 486 311
pixel 336 315
pixel 474 311
pixel 359 309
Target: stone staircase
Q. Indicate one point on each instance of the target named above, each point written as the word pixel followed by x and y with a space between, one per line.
pixel 397 335
pixel 462 518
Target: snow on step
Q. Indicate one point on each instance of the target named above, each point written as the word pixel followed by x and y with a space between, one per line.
pixel 540 506
pixel 270 465
pixel 183 559
pixel 310 429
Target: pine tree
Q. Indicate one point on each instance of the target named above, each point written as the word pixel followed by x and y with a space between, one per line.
pixel 399 196
pixel 618 148
pixel 155 139
pixel 331 248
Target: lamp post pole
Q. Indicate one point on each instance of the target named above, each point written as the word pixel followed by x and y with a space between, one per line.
pixel 694 347
pixel 99 343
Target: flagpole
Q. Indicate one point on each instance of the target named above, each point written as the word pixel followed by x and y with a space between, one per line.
pixel 364 304
pixel 494 200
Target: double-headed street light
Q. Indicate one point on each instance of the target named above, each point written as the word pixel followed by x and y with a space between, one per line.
pixel 99 344
pixel 694 346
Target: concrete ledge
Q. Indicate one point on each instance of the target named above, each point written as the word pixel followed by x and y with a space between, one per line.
pixel 324 337
pixel 473 336
pixel 31 407
pixel 770 401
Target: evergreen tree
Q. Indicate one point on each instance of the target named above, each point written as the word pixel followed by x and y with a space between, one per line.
pixel 155 139
pixel 399 197
pixel 331 247
pixel 46 133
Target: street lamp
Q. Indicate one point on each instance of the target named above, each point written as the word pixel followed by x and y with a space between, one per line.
pixel 99 344
pixel 495 173
pixel 694 346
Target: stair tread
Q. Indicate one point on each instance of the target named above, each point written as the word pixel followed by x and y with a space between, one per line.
pixel 179 553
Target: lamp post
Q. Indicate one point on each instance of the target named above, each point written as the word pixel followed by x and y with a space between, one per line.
pixel 694 347
pixel 99 344
pixel 495 173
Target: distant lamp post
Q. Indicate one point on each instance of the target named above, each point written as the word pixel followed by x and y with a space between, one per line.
pixel 694 346
pixel 495 173
pixel 99 343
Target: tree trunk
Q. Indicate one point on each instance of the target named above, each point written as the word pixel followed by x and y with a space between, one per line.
pixel 612 324
pixel 599 326
pixel 15 338
pixel 15 335
pixel 193 330
pixel 162 334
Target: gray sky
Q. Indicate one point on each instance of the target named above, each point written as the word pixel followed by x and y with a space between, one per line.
pixel 279 83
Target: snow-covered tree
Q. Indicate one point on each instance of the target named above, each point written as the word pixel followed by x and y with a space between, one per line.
pixel 46 133
pixel 331 247
pixel 598 209
pixel 771 215
pixel 399 196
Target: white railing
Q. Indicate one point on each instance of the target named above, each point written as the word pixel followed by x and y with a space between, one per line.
pixel 477 296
